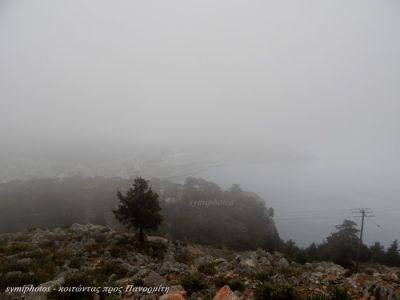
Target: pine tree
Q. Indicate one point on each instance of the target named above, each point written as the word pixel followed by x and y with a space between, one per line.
pixel 139 207
pixel 377 252
pixel 392 256
pixel 341 246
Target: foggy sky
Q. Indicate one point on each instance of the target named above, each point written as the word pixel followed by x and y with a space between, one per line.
pixel 320 78
pixel 318 75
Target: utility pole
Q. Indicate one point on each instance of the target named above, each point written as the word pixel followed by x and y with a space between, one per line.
pixel 361 213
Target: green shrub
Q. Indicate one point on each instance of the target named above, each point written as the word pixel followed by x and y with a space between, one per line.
pixel 335 294
pixel 153 249
pixel 236 285
pixel 183 258
pixel 317 296
pixel 193 282
pixel 75 262
pixel 220 281
pixel 35 272
pixel 17 279
pixel 207 269
pixel 112 267
pixel 339 294
pixel 117 251
pixel 18 247
pixel 138 282
pixel 263 277
pixel 60 256
pixel 269 291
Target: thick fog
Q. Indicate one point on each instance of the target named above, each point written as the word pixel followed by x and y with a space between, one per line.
pixel 295 100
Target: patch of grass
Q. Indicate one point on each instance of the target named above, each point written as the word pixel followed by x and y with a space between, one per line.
pixel 270 291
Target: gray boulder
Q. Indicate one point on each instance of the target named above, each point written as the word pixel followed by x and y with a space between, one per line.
pixel 154 279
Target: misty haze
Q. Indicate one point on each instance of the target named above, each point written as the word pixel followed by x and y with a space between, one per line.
pixel 286 111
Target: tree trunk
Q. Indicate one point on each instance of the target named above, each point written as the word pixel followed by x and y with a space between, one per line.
pixel 141 234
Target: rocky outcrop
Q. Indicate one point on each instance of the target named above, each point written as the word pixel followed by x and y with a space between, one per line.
pixel 225 293
pixel 97 256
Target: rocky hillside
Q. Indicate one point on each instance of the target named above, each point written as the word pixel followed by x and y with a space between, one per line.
pixel 96 262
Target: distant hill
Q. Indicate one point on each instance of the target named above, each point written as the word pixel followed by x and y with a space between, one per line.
pixel 197 211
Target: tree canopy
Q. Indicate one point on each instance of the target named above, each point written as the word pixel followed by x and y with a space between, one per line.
pixel 139 207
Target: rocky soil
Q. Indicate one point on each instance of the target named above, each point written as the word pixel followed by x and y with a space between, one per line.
pixel 94 256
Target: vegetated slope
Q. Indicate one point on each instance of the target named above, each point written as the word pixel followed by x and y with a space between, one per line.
pixel 197 211
pixel 92 255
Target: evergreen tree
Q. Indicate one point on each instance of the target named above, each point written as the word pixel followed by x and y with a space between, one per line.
pixel 392 257
pixel 341 246
pixel 139 207
pixel 312 252
pixel 377 252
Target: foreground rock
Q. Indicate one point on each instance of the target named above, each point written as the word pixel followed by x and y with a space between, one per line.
pixel 225 293
pixel 120 267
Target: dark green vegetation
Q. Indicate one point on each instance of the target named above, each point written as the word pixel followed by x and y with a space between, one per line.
pixel 30 264
pixel 268 290
pixel 194 282
pixel 334 294
pixel 139 207
pixel 98 256
pixel 197 211
pixel 24 263
pixel 203 213
pixel 52 202
pixel 341 248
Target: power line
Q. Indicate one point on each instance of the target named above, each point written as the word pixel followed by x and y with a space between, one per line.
pixel 361 213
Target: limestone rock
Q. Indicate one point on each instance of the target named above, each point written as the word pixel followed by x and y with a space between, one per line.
pixel 154 279
pixel 283 263
pixel 225 293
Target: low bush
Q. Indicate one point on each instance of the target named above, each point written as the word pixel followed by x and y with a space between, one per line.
pixel 208 269
pixel 339 294
pixel 193 282
pixel 73 280
pixel 270 291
